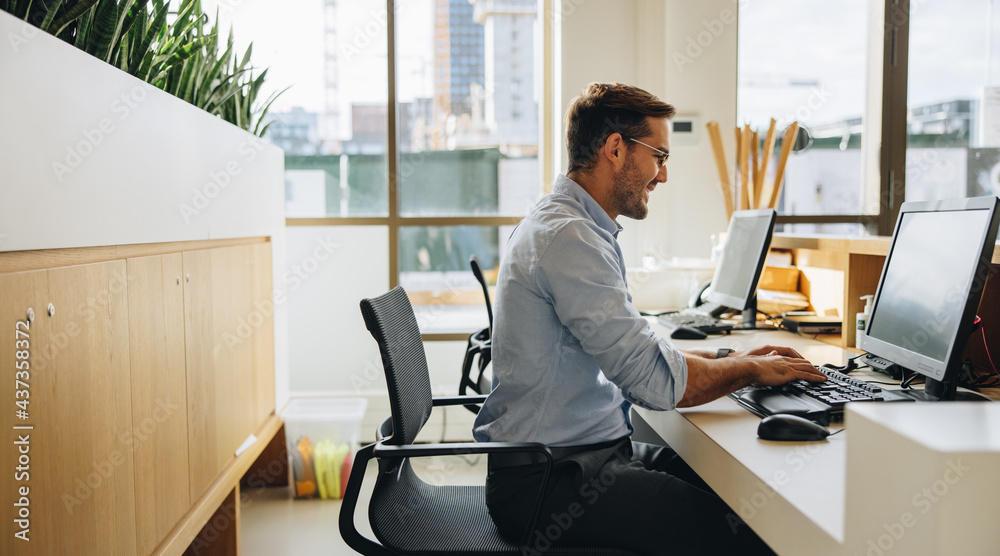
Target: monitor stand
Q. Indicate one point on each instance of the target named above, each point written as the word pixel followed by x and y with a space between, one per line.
pixel 749 321
pixel 940 391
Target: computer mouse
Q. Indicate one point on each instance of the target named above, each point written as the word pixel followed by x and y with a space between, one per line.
pixel 686 333
pixel 784 426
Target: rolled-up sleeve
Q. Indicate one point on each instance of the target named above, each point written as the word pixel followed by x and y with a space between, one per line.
pixel 581 272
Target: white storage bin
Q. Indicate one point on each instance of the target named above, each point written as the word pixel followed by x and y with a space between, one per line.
pixel 322 436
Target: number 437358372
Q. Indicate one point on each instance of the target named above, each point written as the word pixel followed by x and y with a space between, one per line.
pixel 22 355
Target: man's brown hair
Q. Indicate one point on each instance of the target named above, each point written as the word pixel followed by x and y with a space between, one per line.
pixel 603 109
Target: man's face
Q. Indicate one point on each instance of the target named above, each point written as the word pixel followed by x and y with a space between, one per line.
pixel 642 171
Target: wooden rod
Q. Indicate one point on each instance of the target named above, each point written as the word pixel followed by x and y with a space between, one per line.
pixel 715 137
pixel 786 148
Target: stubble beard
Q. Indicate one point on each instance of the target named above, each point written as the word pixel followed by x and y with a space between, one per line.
pixel 628 191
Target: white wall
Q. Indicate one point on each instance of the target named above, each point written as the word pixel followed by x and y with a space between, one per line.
pixel 648 43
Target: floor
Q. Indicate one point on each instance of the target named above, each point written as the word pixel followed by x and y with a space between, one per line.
pixel 272 523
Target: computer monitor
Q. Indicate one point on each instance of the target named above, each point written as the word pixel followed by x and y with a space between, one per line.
pixel 930 288
pixel 734 284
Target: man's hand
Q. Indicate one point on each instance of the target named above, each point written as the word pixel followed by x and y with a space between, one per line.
pixel 769 350
pixel 709 379
pixel 781 365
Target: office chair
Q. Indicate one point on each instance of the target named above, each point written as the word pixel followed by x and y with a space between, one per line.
pixel 407 514
pixel 479 349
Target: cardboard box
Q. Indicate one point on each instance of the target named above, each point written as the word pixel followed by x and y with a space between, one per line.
pixel 779 278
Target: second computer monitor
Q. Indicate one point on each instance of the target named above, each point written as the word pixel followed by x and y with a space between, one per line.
pixel 931 286
pixel 747 241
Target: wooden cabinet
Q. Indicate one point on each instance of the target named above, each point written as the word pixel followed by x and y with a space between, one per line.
pixel 81 485
pixel 155 365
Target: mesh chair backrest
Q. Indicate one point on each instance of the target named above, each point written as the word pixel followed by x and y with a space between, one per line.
pixel 391 322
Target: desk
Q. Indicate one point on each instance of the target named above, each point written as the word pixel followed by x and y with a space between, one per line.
pixel 861 492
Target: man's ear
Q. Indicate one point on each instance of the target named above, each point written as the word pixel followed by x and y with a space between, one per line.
pixel 615 150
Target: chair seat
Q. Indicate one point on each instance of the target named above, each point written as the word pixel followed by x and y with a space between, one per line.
pixel 412 516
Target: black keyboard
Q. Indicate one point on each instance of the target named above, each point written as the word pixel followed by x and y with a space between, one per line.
pixel 822 402
pixel 691 319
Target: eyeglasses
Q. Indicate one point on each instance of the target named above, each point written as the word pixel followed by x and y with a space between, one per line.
pixel 661 158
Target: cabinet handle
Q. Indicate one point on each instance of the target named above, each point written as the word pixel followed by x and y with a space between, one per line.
pixel 31 315
pixel 52 310
pixel 178 280
pixel 187 277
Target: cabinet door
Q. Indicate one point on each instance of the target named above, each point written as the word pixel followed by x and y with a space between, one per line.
pixel 220 392
pixel 81 482
pixel 159 396
pixel 262 320
pixel 18 293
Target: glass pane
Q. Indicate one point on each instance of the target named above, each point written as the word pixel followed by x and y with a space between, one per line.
pixel 812 72
pixel 434 269
pixel 468 110
pixel 953 116
pixel 332 121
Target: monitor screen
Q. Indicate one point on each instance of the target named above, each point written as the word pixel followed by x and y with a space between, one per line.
pixel 928 292
pixel 747 242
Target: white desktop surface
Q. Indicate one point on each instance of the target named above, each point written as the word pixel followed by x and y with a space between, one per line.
pixel 791 493
pixel 795 494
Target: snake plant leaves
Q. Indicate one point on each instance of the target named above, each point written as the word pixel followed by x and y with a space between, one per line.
pixel 102 33
pixel 71 14
pixel 83 30
pixel 47 22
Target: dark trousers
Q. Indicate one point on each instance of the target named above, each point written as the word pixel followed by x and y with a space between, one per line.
pixel 623 494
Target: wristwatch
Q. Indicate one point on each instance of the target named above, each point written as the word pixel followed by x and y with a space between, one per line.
pixel 723 352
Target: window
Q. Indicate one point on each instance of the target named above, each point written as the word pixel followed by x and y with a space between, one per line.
pixel 902 108
pixel 482 162
pixel 952 147
pixel 440 159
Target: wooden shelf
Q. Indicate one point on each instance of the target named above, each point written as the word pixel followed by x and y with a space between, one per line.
pixel 845 244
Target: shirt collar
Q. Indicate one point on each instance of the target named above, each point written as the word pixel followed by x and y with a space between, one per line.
pixel 568 187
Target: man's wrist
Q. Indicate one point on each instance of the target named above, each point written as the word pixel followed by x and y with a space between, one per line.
pixel 724 352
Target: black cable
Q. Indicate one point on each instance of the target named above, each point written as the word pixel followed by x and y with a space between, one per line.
pixel 846 368
pixel 906 382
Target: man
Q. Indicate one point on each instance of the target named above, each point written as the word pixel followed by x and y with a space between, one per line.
pixel 571 355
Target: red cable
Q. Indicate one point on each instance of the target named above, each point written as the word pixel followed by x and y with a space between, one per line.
pixel 985 345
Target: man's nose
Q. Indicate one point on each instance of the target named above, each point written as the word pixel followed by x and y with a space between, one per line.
pixel 661 176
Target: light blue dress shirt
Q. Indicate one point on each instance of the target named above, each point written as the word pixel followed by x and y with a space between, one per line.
pixel 570 352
